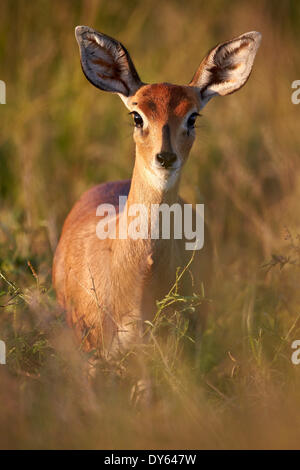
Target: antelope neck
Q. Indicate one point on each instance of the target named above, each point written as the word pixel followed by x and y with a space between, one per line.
pixel 149 188
pixel 142 192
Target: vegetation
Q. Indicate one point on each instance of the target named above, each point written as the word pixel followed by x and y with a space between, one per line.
pixel 58 137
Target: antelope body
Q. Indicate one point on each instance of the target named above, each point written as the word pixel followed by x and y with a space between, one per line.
pixel 110 287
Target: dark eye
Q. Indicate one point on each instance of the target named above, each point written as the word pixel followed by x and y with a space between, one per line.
pixel 137 119
pixel 192 120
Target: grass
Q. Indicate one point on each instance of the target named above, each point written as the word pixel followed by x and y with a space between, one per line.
pixel 237 388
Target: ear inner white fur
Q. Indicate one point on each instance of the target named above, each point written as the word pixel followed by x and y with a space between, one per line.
pixel 106 62
pixel 227 67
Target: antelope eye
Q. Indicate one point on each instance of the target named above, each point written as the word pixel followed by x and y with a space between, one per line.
pixel 137 119
pixel 192 120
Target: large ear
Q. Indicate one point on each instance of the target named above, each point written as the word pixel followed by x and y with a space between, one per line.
pixel 106 63
pixel 227 67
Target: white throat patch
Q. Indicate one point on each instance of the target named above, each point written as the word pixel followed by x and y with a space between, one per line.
pixel 160 181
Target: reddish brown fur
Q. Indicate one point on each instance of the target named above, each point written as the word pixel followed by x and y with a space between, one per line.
pixel 163 100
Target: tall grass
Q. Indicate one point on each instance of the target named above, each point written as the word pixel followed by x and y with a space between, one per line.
pixel 58 137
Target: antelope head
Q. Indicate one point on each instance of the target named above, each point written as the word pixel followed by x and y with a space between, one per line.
pixel 164 115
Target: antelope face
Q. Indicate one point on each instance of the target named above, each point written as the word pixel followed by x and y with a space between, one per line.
pixel 164 115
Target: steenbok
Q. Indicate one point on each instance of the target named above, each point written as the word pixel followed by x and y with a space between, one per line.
pixel 109 285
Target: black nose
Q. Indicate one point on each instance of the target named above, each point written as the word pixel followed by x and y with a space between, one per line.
pixel 166 159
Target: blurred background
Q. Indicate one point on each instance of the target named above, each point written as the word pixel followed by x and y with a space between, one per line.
pixel 59 136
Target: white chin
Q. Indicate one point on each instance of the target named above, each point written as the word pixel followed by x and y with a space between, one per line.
pixel 162 180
